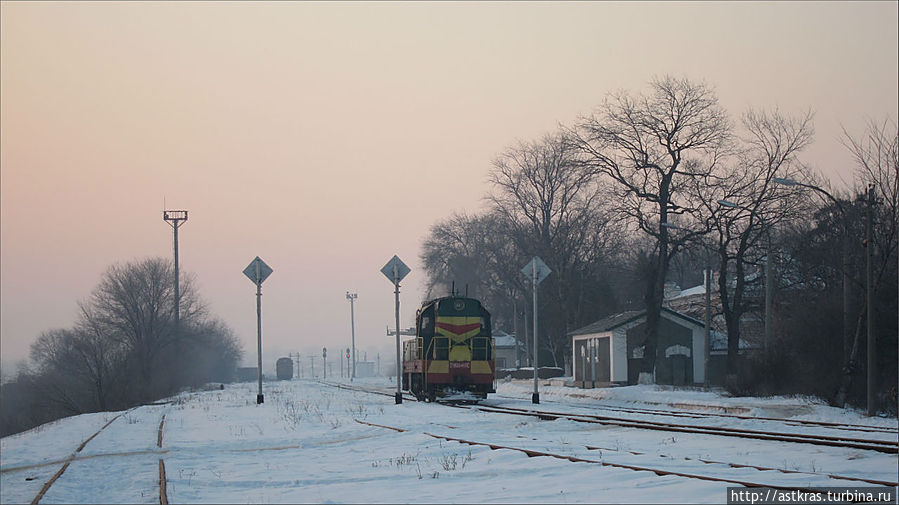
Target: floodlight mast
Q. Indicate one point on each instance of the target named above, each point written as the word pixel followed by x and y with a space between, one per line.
pixel 176 218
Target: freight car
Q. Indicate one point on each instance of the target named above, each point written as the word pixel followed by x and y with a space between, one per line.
pixel 284 369
pixel 452 355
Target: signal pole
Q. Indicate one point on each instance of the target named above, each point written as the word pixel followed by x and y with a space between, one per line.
pixel 176 218
pixel 352 298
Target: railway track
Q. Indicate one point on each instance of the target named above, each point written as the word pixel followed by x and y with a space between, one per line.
pixel 756 467
pixel 866 444
pixel 68 461
pixel 888 447
pixel 639 468
pixel 163 498
pixel 352 387
pixel 713 415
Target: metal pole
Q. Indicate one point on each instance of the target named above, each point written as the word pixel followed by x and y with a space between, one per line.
pixel 535 398
pixel 353 333
pixel 844 247
pixel 259 397
pixel 177 288
pixel 769 287
pixel 517 335
pixel 396 284
pixel 869 288
pixel 708 317
pixel 594 348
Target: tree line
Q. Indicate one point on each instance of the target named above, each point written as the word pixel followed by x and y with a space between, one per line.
pixel 125 349
pixel 652 187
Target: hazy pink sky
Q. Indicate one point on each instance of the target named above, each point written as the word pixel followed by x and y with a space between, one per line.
pixel 327 137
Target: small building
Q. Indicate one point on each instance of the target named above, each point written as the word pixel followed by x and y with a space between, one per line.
pixel 619 344
pixel 247 374
pixel 365 369
pixel 508 351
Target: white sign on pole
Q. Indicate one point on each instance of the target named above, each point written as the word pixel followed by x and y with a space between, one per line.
pixel 257 271
pixel 257 275
pixel 536 270
pixel 395 270
pixel 541 269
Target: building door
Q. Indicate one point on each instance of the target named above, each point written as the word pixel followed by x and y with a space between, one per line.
pixel 604 367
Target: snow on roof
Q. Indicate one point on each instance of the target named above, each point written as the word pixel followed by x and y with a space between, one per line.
pixel 614 321
pixel 695 290
pixel 503 340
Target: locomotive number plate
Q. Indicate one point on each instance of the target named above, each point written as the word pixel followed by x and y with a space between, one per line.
pixel 460 364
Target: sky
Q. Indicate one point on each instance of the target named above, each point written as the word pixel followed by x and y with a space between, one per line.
pixel 326 137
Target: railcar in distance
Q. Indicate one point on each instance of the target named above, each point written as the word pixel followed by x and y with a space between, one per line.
pixel 452 354
pixel 284 369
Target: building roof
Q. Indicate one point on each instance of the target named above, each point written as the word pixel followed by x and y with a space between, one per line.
pixel 718 339
pixel 503 339
pixel 612 322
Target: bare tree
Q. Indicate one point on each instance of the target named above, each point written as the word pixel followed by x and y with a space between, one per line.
pixel 60 375
pixel 877 165
pixel 551 207
pixel 770 147
pixel 652 147
pixel 465 251
pixel 132 306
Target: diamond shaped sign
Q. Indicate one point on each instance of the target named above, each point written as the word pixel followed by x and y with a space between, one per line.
pixel 395 270
pixel 541 269
pixel 257 271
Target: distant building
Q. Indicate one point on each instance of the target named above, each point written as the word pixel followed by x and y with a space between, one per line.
pixel 508 351
pixel 247 374
pixel 365 369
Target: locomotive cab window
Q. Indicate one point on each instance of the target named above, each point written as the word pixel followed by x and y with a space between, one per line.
pixel 441 348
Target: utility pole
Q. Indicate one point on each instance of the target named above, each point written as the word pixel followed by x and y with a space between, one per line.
pixel 535 397
pixel 352 298
pixel 176 218
pixel 517 335
pixel 869 288
pixel 708 317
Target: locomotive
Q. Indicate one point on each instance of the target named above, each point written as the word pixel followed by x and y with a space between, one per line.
pixel 452 354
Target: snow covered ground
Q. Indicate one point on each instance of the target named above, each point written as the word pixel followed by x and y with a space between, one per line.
pixel 308 443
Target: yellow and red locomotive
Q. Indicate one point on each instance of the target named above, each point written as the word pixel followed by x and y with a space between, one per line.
pixel 452 354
